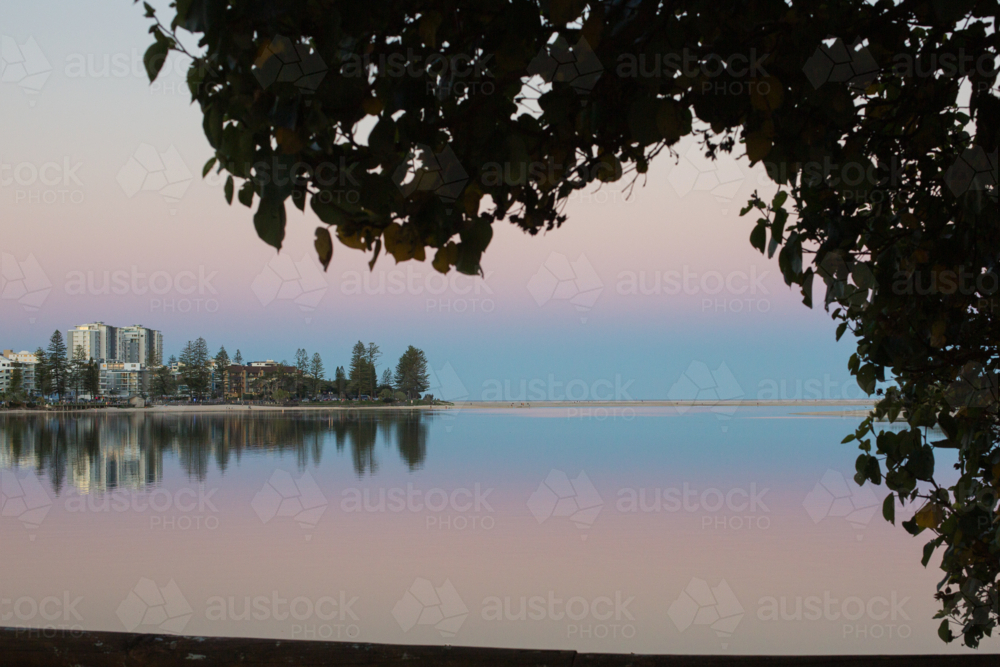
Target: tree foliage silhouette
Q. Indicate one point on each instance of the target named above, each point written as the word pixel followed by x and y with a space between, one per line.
pixel 877 120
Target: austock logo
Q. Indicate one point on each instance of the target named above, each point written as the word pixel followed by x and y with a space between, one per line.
pixel 834 496
pixel 445 385
pixel 25 499
pixel 24 282
pixel 717 291
pixel 49 183
pixel 325 617
pixel 698 383
pixel 175 291
pixel 558 279
pixel 550 389
pixel 23 64
pixel 974 170
pixel 446 294
pixel 576 65
pixel 457 74
pixel 280 61
pixel 836 63
pixel 427 171
pixel 600 617
pixel 283 279
pixel 738 508
pixel 975 387
pixel 722 177
pixel 701 604
pixel 186 508
pixel 154 608
pixel 282 496
pixel 877 617
pixel 826 607
pixel 425 604
pixel 559 496
pixel 460 508
pixel 49 609
pixel 149 170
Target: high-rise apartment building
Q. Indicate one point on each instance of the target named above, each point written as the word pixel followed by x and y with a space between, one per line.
pixel 139 345
pixel 132 345
pixel 97 340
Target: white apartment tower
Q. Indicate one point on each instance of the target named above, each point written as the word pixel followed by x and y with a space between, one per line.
pixel 98 341
pixel 139 345
pixel 133 345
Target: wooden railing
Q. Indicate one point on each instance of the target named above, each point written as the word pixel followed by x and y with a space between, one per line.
pixel 23 647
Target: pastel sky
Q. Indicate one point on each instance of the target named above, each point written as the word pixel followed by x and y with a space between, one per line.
pixel 668 275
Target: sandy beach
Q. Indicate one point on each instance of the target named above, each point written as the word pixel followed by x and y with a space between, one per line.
pixel 660 404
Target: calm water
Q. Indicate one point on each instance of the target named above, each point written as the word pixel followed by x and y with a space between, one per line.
pixel 647 530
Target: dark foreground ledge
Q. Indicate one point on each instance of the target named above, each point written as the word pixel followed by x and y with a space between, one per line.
pixel 119 649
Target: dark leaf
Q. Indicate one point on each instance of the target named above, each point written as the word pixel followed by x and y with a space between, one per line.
pixel 156 56
pixel 270 219
pixel 758 237
pixel 889 508
pixel 324 246
pixel 246 194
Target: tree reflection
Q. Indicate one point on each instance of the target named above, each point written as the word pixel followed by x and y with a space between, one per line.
pixel 411 438
pixel 104 451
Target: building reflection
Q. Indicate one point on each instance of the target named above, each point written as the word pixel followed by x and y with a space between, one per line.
pixel 100 452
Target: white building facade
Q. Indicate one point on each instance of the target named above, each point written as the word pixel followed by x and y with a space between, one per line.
pixel 26 361
pixel 135 344
pixel 139 345
pixel 123 379
pixel 123 353
pixel 97 340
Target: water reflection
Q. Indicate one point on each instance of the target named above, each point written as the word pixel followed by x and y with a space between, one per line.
pixel 102 452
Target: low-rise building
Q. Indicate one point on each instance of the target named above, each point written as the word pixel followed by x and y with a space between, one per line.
pixel 26 361
pixel 242 379
pixel 23 356
pixel 123 379
pixel 6 373
pixel 248 380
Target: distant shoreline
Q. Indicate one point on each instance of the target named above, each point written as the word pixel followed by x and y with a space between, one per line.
pixel 666 404
pixel 477 405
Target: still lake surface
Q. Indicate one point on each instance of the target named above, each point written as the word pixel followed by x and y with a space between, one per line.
pixel 647 530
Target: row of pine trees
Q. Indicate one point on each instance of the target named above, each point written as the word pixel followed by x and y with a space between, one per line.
pixel 305 379
pixel 410 377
